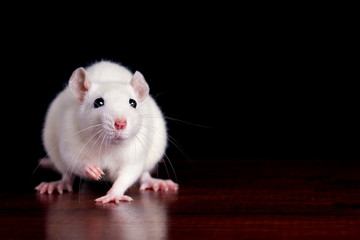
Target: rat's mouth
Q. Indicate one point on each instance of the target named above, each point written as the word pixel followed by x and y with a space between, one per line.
pixel 117 137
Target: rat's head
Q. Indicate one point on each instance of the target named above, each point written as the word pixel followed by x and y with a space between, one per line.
pixel 110 112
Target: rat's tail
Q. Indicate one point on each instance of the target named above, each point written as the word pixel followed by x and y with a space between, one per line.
pixel 46 163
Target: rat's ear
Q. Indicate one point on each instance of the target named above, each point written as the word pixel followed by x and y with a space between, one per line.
pixel 140 86
pixel 79 83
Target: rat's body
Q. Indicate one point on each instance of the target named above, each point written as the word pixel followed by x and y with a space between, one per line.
pixel 105 123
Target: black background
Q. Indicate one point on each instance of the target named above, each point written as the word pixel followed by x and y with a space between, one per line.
pixel 248 82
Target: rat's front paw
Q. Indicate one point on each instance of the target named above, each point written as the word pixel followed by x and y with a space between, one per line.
pixel 93 171
pixel 111 197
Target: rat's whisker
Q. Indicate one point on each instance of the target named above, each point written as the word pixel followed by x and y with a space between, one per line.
pixel 140 134
pixel 53 149
pixel 171 140
pixel 186 122
pixel 81 150
pixel 103 135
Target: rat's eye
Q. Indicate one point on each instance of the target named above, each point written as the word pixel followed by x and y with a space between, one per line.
pixel 132 103
pixel 99 102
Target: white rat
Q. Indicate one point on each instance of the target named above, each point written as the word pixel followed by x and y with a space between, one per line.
pixel 105 122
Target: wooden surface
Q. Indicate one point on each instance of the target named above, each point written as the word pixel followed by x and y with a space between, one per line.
pixel 218 199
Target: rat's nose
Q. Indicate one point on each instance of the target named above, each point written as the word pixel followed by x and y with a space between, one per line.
pixel 120 123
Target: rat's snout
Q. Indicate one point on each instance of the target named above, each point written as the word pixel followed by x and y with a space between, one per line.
pixel 120 123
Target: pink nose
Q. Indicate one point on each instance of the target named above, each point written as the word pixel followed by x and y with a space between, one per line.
pixel 120 123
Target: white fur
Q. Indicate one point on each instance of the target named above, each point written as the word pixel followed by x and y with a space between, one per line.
pixel 106 71
pixel 71 143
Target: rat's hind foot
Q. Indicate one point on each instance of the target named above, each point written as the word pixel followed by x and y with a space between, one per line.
pixel 50 187
pixel 148 182
pixel 159 185
pixel 65 184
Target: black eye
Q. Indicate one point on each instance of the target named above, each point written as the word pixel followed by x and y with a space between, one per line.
pixel 132 103
pixel 99 102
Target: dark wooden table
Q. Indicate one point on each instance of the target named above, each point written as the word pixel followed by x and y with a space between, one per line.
pixel 218 199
